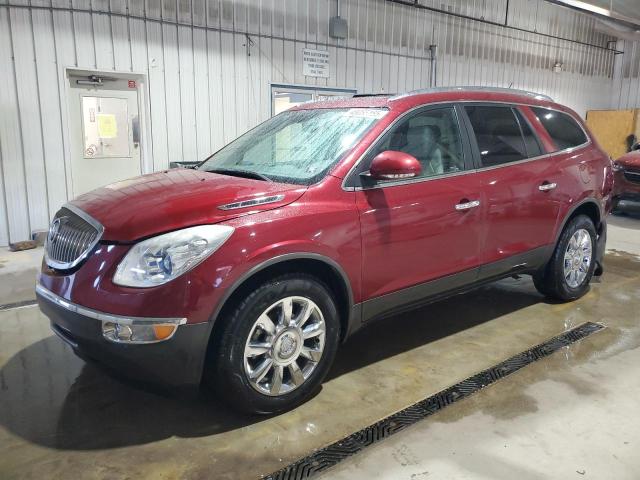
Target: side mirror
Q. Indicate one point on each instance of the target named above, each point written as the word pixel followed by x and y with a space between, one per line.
pixel 394 165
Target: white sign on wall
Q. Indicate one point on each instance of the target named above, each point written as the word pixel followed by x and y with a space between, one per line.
pixel 315 63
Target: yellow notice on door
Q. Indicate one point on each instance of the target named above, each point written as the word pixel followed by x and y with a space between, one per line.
pixel 107 126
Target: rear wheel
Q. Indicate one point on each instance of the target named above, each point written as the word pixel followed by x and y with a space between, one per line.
pixel 568 273
pixel 276 346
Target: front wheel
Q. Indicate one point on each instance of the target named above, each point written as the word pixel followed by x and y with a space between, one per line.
pixel 567 275
pixel 276 346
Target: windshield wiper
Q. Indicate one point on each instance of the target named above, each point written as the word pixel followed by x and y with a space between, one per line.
pixel 240 173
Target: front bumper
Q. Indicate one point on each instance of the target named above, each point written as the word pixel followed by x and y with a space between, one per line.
pixel 176 362
pixel 627 202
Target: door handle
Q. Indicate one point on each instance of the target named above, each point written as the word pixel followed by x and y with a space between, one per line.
pixel 135 131
pixel 546 186
pixel 467 205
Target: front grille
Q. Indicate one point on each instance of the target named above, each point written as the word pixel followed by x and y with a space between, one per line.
pixel 632 176
pixel 71 237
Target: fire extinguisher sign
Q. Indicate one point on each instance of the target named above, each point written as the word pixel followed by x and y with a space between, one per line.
pixel 132 84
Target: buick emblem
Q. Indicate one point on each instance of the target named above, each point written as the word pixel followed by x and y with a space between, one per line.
pixel 54 229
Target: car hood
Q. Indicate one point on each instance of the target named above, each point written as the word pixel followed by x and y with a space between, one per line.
pixel 631 159
pixel 159 202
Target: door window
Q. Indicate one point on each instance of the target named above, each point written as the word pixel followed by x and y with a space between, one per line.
pixel 105 127
pixel 432 137
pixel 530 140
pixel 498 135
pixel 562 128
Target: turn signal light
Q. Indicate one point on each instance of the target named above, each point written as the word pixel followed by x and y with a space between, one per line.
pixel 163 332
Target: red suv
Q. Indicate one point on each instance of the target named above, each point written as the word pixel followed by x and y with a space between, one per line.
pixel 248 271
pixel 626 192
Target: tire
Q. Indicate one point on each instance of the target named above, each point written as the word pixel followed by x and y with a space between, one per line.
pixel 552 280
pixel 236 357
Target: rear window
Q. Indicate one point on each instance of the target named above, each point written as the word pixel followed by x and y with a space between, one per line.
pixel 562 128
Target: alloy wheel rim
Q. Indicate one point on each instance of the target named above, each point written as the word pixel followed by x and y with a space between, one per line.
pixel 284 346
pixel 577 258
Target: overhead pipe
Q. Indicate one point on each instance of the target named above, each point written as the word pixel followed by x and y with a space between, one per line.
pixel 415 4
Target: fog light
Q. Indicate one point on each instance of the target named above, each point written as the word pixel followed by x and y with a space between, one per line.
pixel 138 332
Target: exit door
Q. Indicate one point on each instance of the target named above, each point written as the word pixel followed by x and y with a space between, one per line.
pixel 105 131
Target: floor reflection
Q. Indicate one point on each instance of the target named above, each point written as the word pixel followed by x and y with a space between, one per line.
pixel 51 398
pixel 97 410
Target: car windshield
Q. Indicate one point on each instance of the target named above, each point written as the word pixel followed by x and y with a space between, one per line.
pixel 298 146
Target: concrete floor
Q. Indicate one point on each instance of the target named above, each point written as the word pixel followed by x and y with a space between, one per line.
pixel 573 414
pixel 18 275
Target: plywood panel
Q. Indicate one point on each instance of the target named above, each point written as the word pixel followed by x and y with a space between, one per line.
pixel 611 128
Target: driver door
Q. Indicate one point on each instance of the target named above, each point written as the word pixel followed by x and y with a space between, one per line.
pixel 418 238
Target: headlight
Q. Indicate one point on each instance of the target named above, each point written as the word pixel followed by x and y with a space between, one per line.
pixel 160 259
pixel 616 167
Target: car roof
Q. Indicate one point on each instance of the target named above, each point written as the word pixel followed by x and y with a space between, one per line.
pixel 437 95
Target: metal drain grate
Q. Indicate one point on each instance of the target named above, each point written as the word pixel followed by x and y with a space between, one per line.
pixel 329 456
pixel 11 306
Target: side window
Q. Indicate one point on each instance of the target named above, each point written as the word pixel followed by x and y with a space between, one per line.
pixel 563 129
pixel 530 139
pixel 498 135
pixel 432 136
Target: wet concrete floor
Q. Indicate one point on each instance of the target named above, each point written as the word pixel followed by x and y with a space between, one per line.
pixel 571 415
pixel 62 418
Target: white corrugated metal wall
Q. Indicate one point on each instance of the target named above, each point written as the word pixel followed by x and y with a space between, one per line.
pixel 625 93
pixel 204 90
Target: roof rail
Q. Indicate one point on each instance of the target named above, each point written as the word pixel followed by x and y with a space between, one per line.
pixel 537 96
pixel 359 95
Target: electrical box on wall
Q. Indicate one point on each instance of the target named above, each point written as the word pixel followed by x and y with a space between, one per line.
pixel 338 27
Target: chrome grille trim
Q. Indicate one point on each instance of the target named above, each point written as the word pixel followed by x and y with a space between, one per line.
pixel 72 236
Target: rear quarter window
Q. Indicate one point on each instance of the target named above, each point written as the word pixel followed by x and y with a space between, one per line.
pixel 562 128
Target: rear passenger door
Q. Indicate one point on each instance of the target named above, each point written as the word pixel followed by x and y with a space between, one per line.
pixel 519 217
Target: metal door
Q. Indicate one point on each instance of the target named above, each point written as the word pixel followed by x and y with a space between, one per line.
pixel 104 131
